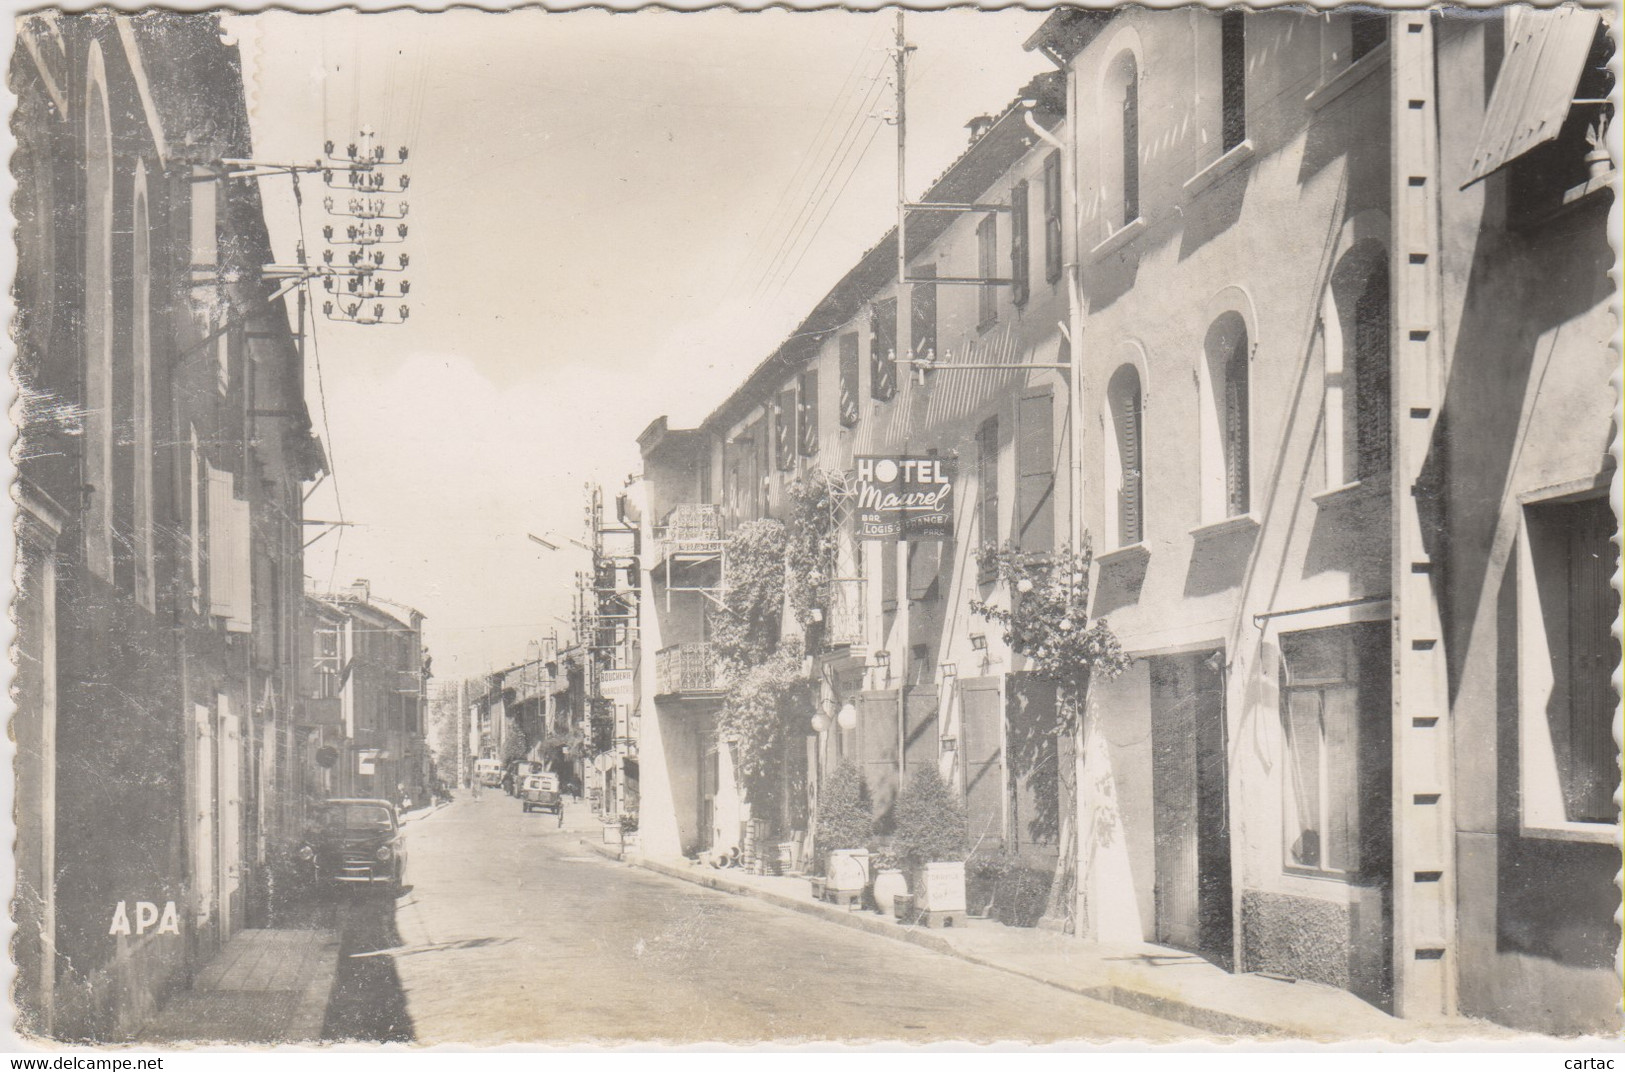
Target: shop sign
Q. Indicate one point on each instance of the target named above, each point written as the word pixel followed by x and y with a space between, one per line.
pixel 905 498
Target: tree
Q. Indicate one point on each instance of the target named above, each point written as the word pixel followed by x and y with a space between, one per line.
pixel 931 823
pixel 845 819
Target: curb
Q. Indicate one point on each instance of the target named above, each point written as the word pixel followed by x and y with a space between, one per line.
pixel 1152 1004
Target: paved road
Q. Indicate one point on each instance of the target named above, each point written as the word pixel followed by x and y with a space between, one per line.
pixel 511 932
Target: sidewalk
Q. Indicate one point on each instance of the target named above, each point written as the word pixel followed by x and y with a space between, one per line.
pixel 1152 979
pixel 266 986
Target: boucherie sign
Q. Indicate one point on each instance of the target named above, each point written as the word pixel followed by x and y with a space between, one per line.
pixel 905 498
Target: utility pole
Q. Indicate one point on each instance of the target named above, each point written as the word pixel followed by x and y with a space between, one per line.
pixel 904 337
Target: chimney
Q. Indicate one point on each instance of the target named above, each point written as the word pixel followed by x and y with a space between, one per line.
pixel 978 126
pixel 360 589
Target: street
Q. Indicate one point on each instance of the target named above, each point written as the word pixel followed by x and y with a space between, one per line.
pixel 511 932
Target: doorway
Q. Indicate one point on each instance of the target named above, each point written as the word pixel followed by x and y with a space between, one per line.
pixel 1191 816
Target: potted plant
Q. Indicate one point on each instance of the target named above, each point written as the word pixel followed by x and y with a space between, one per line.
pixel 890 881
pixel 843 830
pixel 930 842
pixel 629 829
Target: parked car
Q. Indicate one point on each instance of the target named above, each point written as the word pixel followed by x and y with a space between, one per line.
pixel 354 842
pixel 541 793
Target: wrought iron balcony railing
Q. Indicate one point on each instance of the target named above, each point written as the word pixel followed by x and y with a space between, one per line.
pixel 686 668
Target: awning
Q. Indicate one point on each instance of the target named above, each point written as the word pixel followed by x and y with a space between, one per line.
pixel 1536 85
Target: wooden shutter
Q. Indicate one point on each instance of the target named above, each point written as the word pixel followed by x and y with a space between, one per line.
pixel 219 557
pixel 883 349
pixel 923 312
pixel 987 479
pixel 808 412
pixel 241 618
pixel 1035 466
pixel 1236 474
pixel 1052 217
pixel 1371 398
pixel 987 241
pixel 849 380
pixel 1593 771
pixel 1233 76
pixel 1131 149
pixel 1020 252
pixel 784 428
pixel 1129 515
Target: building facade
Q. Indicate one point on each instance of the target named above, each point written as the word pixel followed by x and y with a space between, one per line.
pixel 164 445
pixel 1354 546
pixel 367 690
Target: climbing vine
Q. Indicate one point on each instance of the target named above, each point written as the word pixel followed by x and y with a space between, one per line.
pixel 813 541
pixel 745 627
pixel 1047 622
pixel 1048 619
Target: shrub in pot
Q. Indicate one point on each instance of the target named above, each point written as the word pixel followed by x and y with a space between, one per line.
pixel 844 817
pixel 930 840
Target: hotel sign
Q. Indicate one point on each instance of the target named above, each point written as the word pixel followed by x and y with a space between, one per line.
pixel 905 498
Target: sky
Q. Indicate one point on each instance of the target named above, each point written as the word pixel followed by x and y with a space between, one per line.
pixel 613 217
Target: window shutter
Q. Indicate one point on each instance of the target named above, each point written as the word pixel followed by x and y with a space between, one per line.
pixel 924 565
pixel 784 435
pixel 987 260
pixel 987 479
pixel 240 619
pixel 1371 375
pixel 1131 150
pixel 1035 492
pixel 923 312
pixel 808 414
pixel 1235 430
pixel 1019 251
pixel 1233 77
pixel 219 558
pixel 1052 217
pixel 883 349
pixel 1131 529
pixel 849 380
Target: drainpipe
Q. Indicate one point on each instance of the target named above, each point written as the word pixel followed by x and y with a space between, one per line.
pixel 1072 268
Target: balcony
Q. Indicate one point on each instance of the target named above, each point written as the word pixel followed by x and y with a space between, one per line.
pixel 846 620
pixel 686 669
pixel 690 529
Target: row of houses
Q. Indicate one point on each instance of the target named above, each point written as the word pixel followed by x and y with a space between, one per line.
pixel 163 449
pixel 1301 323
pixel 179 698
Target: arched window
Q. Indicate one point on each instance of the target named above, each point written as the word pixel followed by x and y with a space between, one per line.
pixel 1120 145
pixel 1355 324
pixel 98 325
pixel 141 396
pixel 1125 479
pixel 1226 421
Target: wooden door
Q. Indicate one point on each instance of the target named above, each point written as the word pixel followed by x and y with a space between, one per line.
pixel 1190 805
pixel 981 755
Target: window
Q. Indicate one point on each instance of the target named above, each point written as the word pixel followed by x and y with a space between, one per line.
pixel 1367 30
pixel 1355 332
pixel 231 586
pixel 1019 244
pixel 1336 718
pixel 923 312
pixel 987 241
pixel 808 413
pixel 1121 140
pixel 1035 474
pixel 141 397
pixel 987 480
pixel 1576 161
pixel 1233 74
pixel 98 331
pixel 1125 508
pixel 883 349
pixel 849 380
pixel 784 428
pixel 1226 476
pixel 1052 217
pixel 1570 766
